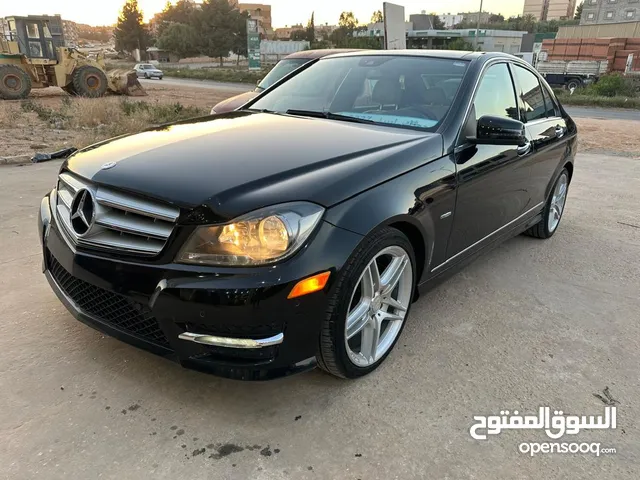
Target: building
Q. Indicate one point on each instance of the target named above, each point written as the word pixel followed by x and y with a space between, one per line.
pixel 609 11
pixel 508 41
pixel 450 21
pixel 560 9
pixel 261 13
pixel 472 17
pixel 550 9
pixel 537 8
pixel 284 33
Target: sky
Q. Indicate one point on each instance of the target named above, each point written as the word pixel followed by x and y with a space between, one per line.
pixel 284 12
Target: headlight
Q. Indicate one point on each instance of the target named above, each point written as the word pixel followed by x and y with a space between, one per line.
pixel 257 238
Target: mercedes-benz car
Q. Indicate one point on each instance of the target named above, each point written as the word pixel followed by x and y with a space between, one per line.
pixel 148 71
pixel 298 230
pixel 283 68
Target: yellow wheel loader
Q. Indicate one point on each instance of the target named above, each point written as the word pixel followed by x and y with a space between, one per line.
pixel 30 58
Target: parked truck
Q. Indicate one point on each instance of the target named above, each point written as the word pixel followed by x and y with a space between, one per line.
pixel 572 73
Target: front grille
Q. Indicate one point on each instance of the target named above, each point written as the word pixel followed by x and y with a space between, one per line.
pixel 111 308
pixel 112 219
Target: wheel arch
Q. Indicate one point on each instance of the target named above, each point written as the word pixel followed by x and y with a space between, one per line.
pixel 416 237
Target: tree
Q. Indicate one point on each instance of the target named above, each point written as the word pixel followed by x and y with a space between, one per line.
pixel 348 21
pixel 181 12
pixel 496 18
pixel 459 44
pixel 578 14
pixel 130 33
pixel 240 35
pixel 436 22
pixel 180 39
pixel 377 17
pixel 217 26
pixel 311 29
pixel 298 35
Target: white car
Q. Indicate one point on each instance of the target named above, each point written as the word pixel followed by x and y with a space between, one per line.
pixel 147 70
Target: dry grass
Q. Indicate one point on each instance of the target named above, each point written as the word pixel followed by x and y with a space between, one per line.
pixel 9 114
pixel 611 136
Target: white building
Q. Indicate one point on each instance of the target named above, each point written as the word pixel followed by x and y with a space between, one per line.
pixel 450 20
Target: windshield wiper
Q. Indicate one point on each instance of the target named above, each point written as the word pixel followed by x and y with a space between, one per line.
pixel 329 115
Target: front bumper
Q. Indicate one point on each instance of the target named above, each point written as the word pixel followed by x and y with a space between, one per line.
pixel 236 323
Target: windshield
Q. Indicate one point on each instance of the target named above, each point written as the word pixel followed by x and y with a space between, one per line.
pixel 284 67
pixel 403 91
pixel 148 67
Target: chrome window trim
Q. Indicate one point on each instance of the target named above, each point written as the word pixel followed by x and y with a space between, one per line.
pixel 486 237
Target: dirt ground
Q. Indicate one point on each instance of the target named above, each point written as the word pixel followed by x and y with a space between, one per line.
pixel 24 133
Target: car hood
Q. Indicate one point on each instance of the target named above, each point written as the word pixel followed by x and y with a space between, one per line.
pixel 232 103
pixel 237 162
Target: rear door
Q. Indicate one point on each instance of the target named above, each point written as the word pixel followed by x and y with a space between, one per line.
pixel 545 127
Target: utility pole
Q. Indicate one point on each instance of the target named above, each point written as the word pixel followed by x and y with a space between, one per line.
pixel 478 26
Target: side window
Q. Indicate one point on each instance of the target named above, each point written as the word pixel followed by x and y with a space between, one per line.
pixel 495 94
pixel 530 93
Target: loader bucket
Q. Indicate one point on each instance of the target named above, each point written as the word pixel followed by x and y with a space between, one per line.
pixel 125 82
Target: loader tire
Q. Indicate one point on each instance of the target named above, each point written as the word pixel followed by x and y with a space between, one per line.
pixel 89 82
pixel 70 90
pixel 14 83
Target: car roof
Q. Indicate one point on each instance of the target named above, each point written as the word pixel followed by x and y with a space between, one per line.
pixel 453 54
pixel 311 54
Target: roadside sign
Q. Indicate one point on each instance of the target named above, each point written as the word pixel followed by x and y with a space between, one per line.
pixel 253 44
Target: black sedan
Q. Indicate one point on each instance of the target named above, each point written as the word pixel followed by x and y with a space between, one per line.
pixel 298 231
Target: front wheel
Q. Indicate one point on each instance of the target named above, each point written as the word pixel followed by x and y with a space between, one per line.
pixel 573 84
pixel 369 306
pixel 553 210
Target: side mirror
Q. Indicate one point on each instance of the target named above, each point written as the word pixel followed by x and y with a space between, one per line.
pixel 499 131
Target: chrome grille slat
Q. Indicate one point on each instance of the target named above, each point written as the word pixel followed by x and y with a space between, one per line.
pixel 66 197
pixel 72 182
pixel 141 207
pixel 120 222
pixel 135 226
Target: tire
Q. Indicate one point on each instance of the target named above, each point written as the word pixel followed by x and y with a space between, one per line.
pixel 70 90
pixel 159 78
pixel 545 228
pixel 335 353
pixel 573 83
pixel 89 82
pixel 15 83
pixel 146 75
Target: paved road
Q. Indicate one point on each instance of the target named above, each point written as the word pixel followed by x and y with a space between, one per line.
pixel 585 112
pixel 532 323
pixel 186 82
pixel 605 113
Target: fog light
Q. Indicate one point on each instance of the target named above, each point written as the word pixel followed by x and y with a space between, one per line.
pixel 310 285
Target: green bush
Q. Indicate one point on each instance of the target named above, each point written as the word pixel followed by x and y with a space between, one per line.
pixel 611 85
pixel 218 74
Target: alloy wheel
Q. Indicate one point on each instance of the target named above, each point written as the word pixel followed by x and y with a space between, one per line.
pixel 557 202
pixel 378 306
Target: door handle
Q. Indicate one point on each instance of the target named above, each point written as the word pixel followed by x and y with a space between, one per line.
pixel 559 131
pixel 524 149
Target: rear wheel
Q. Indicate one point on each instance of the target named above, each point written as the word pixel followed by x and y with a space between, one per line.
pixel 367 312
pixel 89 81
pixel 553 210
pixel 15 83
pixel 573 84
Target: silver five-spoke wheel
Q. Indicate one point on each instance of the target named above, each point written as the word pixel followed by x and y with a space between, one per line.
pixel 378 306
pixel 557 202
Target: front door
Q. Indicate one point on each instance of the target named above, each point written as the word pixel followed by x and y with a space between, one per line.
pixel 493 180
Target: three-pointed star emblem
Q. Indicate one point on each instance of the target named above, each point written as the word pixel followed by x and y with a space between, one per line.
pixel 82 211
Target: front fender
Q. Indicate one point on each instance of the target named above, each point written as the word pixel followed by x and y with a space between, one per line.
pixel 422 199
